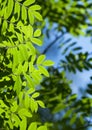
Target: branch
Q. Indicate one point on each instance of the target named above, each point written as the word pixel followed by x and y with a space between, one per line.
pixel 52 43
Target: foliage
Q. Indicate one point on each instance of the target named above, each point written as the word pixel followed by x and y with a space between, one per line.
pixel 66 110
pixel 72 16
pixel 21 69
pixel 57 94
pixel 26 86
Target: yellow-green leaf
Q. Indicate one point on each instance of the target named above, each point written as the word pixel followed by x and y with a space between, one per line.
pixel 42 128
pixel 26 100
pixel 37 33
pixel 35 95
pixel 48 63
pixel 23 124
pixel 29 81
pixel 40 59
pixel 36 41
pixel 41 104
pixel 28 2
pixel 9 9
pixel 38 16
pixel 16 12
pixel 35 7
pixel 43 71
pixel 17 85
pixel 24 14
pixel 33 126
pixel 31 17
pixel 24 112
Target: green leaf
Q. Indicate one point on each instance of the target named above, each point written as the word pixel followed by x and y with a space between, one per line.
pixel 19 69
pixel 42 128
pixel 30 91
pixel 25 66
pixel 20 37
pixel 10 123
pixel 37 33
pixel 21 94
pixel 37 77
pixel 33 58
pixel 40 59
pixel 24 14
pixel 38 16
pixel 15 59
pixel 31 48
pixel 1 110
pixel 41 104
pixel 31 67
pixel 73 119
pixel 9 9
pixel 28 31
pixel 26 100
pixel 23 52
pixel 36 41
pixel 24 112
pixel 31 17
pixel 48 63
pixel 2 45
pixel 17 85
pixel 16 12
pixel 14 107
pixel 81 118
pixel 20 25
pixel 35 7
pixel 2 104
pixel 11 27
pixel 33 126
pixel 16 120
pixel 33 105
pixel 23 124
pixel 28 2
pixel 4 26
pixel 29 81
pixel 73 97
pixel 43 71
pixel 59 107
pixel 35 95
pixel 68 113
pixel 19 0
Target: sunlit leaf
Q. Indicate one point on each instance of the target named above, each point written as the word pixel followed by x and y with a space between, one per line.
pixel 35 95
pixel 41 104
pixel 33 126
pixel 28 2
pixel 43 71
pixel 48 63
pixel 36 41
pixel 37 33
pixel 42 128
pixel 35 7
pixel 40 59
pixel 23 124
pixel 24 112
pixel 17 85
pixel 9 9
pixel 38 16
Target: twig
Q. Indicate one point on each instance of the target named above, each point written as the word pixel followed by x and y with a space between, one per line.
pixel 52 43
